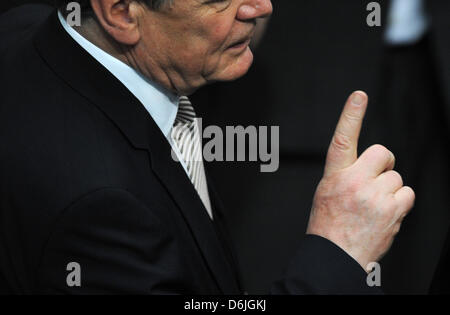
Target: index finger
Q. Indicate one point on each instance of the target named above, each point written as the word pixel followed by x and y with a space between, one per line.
pixel 343 150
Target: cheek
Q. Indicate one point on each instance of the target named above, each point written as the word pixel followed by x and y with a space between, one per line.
pixel 205 43
pixel 215 32
pixel 220 34
pixel 216 41
pixel 206 47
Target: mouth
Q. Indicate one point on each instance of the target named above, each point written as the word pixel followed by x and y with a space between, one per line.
pixel 242 43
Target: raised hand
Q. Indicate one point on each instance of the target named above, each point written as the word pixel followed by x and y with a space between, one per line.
pixel 360 203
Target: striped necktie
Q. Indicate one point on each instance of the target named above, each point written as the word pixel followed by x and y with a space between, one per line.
pixel 185 135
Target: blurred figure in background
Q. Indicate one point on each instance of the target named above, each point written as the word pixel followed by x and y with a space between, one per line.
pixel 413 117
pixel 413 113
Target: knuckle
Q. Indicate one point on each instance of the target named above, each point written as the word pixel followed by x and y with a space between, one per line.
pixel 408 202
pixel 397 228
pixel 352 117
pixel 341 141
pixel 408 193
pixel 378 147
pixel 381 154
pixel 411 194
pixel 396 178
pixel 379 150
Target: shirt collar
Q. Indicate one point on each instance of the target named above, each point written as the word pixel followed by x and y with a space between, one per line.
pixel 162 105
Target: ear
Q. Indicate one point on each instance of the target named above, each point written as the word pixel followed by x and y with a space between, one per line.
pixel 119 18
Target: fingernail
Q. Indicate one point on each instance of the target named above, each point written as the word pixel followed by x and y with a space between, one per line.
pixel 357 99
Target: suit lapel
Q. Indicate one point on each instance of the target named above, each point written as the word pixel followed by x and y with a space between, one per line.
pixel 183 192
pixel 89 78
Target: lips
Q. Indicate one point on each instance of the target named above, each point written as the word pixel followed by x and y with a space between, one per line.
pixel 242 42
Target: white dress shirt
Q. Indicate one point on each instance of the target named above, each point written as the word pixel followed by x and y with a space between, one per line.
pixel 407 22
pixel 161 104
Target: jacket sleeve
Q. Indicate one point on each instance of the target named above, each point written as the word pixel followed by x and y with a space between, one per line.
pixel 118 247
pixel 321 267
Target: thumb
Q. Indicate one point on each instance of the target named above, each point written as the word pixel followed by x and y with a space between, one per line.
pixel 343 150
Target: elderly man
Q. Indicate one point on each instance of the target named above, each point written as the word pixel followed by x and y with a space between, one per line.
pixel 91 199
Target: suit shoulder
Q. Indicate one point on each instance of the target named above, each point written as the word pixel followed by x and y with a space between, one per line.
pixel 17 24
pixel 23 17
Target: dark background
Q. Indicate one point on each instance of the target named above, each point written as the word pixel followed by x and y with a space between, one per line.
pixel 315 53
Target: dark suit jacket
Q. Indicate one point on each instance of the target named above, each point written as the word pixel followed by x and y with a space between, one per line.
pixel 86 177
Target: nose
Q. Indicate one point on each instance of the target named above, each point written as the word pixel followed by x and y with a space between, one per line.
pixel 253 9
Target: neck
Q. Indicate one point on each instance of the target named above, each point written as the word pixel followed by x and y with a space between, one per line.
pixel 93 32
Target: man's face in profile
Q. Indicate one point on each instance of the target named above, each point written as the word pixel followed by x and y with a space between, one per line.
pixel 201 41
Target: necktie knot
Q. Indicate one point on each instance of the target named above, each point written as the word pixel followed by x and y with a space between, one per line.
pixel 186 112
